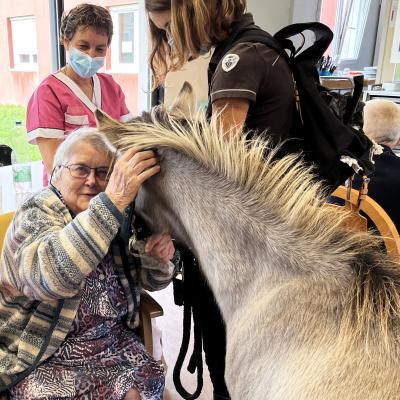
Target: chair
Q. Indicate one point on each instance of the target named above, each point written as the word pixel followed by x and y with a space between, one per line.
pixel 149 308
pixel 5 220
pixel 359 201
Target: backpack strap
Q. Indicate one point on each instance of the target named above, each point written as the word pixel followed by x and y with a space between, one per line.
pixel 254 34
pixel 287 47
pixel 257 35
pixel 323 38
pixel 358 81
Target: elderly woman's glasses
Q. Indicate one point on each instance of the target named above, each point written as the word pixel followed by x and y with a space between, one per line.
pixel 82 171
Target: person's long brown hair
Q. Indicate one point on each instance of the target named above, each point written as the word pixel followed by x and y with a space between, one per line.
pixel 195 24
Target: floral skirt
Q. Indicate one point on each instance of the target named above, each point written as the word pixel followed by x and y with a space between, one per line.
pixel 101 358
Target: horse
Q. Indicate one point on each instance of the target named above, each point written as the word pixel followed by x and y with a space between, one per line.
pixel 311 308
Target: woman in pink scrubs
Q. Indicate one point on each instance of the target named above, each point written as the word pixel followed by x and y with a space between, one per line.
pixel 67 99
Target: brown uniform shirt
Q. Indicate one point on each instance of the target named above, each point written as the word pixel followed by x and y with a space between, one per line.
pixel 256 72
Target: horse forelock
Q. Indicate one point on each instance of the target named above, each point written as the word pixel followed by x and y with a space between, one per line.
pixel 286 187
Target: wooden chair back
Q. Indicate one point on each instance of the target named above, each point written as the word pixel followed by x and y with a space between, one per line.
pixel 5 220
pixel 356 202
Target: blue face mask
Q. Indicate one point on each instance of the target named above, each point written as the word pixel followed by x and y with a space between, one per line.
pixel 84 65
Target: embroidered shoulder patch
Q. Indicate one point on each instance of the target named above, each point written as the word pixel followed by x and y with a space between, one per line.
pixel 229 62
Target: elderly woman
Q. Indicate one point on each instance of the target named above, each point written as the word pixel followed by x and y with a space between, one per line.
pixel 69 291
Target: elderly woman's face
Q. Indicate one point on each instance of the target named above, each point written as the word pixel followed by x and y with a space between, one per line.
pixel 78 191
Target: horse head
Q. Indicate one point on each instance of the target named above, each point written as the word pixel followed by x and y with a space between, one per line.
pixel 153 202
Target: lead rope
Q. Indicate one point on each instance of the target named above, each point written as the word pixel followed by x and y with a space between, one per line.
pixel 196 359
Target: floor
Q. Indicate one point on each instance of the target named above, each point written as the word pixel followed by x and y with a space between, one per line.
pixel 171 327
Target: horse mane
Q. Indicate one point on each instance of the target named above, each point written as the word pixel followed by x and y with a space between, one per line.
pixel 289 186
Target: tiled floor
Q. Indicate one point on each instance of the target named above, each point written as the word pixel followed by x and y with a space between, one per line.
pixel 171 327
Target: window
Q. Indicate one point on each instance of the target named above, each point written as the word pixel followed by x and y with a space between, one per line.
pixel 353 18
pixel 125 43
pixel 24 43
pixel 349 18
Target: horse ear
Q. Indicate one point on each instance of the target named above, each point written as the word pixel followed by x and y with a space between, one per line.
pixel 184 105
pixel 108 126
pixel 104 120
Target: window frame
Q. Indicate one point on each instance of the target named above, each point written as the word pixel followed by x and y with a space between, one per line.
pixel 360 29
pixel 15 64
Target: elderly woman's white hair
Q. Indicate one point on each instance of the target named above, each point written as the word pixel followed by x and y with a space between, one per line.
pixel 382 121
pixel 88 135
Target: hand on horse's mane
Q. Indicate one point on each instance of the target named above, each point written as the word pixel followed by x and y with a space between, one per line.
pixel 132 169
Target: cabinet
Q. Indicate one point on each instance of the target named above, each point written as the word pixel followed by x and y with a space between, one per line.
pixel 381 94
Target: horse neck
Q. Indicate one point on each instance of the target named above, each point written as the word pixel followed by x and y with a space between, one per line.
pixel 239 245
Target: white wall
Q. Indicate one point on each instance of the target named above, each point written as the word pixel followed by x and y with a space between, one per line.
pixel 305 10
pixel 271 15
pixel 385 42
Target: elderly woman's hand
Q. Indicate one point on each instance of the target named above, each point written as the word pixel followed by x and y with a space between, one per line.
pixel 160 246
pixel 130 171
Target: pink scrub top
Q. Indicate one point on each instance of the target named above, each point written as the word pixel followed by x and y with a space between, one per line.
pixel 58 106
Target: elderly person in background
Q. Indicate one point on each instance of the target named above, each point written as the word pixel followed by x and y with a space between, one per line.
pixel 382 124
pixel 69 292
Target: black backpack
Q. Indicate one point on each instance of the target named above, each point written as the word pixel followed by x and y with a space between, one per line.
pixel 321 135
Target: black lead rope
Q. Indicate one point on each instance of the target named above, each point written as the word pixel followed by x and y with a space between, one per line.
pixel 196 359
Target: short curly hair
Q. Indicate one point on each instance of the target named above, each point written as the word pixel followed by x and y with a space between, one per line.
pixel 83 16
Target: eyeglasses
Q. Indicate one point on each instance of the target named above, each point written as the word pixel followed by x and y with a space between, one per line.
pixel 81 171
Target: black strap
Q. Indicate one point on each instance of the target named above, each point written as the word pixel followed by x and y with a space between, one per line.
pixel 282 43
pixel 196 359
pixel 355 98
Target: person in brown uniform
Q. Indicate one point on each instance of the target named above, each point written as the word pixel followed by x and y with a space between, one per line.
pixel 250 86
pixel 253 83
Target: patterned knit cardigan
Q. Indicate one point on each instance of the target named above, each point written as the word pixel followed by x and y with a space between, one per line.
pixel 46 257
